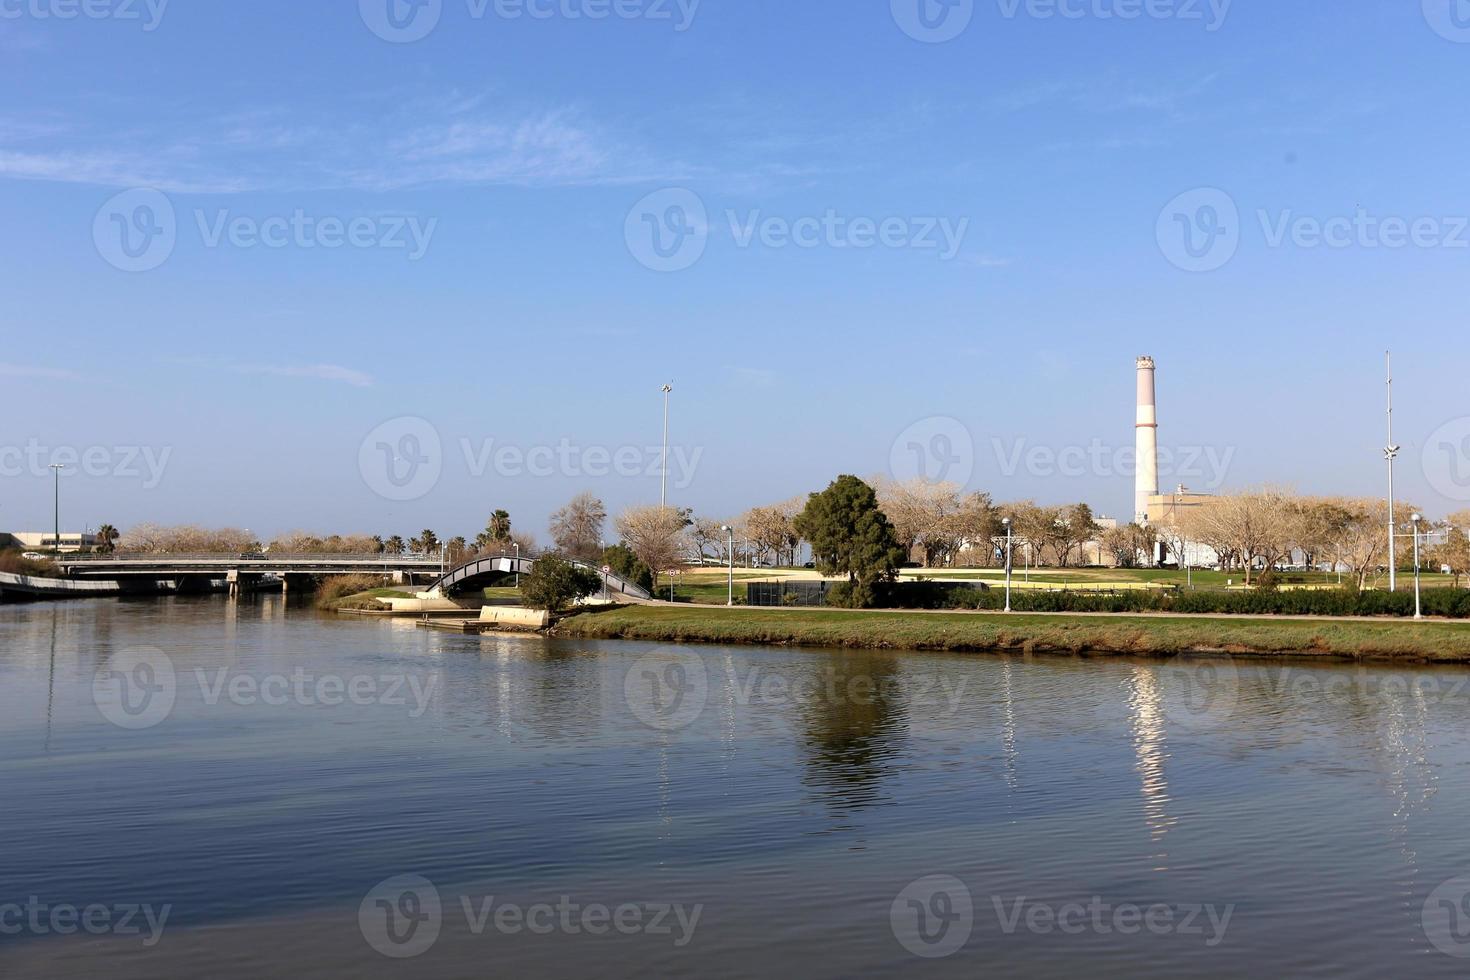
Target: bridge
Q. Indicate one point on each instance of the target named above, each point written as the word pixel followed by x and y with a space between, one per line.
pixel 186 571
pixel 237 570
pixel 481 572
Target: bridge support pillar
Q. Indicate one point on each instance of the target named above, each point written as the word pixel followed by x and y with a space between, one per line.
pixel 232 579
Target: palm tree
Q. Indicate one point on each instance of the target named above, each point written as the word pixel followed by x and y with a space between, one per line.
pixel 393 546
pixel 107 537
pixel 426 543
pixel 499 527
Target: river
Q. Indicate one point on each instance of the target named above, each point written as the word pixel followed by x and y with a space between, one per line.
pixel 199 787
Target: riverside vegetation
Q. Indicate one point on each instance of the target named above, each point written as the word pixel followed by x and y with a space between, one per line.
pixel 1153 636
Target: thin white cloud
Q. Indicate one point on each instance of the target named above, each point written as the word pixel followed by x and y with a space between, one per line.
pixel 448 143
pixel 319 372
pixel 29 371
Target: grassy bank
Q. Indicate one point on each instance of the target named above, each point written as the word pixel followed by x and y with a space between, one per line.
pixel 362 600
pixel 1128 635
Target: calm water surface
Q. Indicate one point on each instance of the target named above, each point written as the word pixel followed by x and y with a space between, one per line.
pixel 561 808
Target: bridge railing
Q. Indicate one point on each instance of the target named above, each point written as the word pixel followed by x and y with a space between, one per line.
pixel 150 557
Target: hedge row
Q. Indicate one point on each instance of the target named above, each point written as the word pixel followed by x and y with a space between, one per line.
pixel 1450 603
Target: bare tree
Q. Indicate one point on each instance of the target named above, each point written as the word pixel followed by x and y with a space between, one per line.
pixel 653 534
pixel 773 529
pixel 577 528
pixel 186 539
pixel 1257 528
pixel 1131 545
pixel 707 540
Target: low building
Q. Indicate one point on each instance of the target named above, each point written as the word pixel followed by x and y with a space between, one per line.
pixel 72 542
pixel 1167 511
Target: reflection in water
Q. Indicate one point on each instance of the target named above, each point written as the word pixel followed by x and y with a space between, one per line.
pixel 51 681
pixel 1150 746
pixel 1401 743
pixel 1009 745
pixel 854 719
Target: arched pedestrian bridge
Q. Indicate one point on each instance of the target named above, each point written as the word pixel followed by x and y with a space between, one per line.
pixel 481 572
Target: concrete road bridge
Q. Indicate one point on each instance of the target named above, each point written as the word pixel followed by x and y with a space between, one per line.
pixel 243 571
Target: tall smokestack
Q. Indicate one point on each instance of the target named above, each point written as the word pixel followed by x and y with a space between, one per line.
pixel 1147 440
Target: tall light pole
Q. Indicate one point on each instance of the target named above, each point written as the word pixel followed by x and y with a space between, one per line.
pixel 517 546
pixel 730 559
pixel 663 493
pixel 56 469
pixel 1418 604
pixel 1391 453
pixel 1007 522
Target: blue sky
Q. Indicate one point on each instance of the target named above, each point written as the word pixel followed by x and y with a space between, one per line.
pixel 497 289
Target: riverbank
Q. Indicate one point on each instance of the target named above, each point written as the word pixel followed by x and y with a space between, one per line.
pixel 1149 636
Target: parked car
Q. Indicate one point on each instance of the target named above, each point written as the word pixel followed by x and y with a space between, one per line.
pixel 33 556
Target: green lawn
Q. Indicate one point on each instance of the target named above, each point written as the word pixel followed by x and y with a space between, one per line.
pixel 1128 635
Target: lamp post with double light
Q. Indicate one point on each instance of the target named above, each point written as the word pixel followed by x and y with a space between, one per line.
pixel 1417 519
pixel 1007 522
pixel 730 559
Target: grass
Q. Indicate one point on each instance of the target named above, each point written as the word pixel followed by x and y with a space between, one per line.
pixel 1154 636
pixel 363 600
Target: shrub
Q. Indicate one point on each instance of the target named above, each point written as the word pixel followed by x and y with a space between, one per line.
pixel 555 583
pixel 337 587
pixel 626 566
pixel 13 562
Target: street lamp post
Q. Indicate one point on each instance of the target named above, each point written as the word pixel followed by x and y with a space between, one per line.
pixel 517 546
pixel 56 469
pixel 1391 453
pixel 1007 522
pixel 663 493
pixel 1418 603
pixel 730 559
